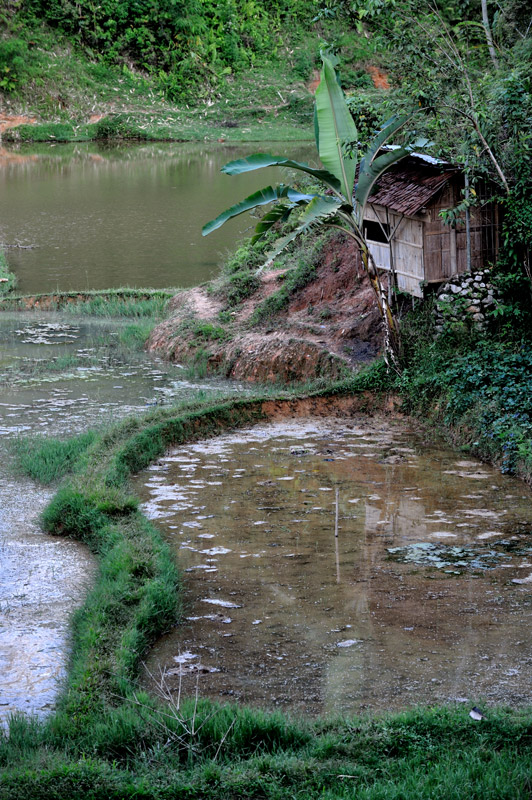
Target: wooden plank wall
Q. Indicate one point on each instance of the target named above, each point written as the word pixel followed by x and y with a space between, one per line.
pixel 408 256
pixel 441 253
pixel 446 248
pixel 407 246
pixel 426 250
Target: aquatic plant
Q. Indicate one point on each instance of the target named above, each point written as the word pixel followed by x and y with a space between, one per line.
pixel 8 279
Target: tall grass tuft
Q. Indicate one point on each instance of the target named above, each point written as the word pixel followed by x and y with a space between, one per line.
pixel 116 305
pixel 8 280
pixel 47 460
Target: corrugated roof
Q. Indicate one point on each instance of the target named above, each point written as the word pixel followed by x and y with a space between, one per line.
pixel 410 185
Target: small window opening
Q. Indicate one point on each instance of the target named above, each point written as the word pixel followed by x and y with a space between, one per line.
pixel 375 232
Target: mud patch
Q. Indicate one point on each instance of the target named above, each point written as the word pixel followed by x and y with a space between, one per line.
pixel 330 327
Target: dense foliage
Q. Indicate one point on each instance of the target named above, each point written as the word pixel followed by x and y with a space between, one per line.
pixel 474 385
pixel 187 42
pixel 472 70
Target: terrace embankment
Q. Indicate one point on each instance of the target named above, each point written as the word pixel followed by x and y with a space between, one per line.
pixel 324 326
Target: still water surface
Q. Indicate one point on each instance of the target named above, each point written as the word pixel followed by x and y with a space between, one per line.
pixel 58 376
pixel 103 217
pixel 425 595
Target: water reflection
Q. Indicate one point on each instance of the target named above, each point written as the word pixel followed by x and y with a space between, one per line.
pixel 102 217
pixel 58 375
pixel 320 623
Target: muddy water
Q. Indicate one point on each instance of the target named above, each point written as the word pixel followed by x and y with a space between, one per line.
pixel 58 375
pixel 61 375
pixel 424 596
pixel 95 217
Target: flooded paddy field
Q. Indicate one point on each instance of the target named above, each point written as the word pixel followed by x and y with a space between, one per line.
pixel 424 596
pixel 58 376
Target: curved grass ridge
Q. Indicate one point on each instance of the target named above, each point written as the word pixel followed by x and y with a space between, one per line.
pixel 110 740
pixel 137 593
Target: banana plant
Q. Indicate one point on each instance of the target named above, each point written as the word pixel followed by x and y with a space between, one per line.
pixel 342 202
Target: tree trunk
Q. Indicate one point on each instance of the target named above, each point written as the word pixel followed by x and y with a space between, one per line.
pixel 489 38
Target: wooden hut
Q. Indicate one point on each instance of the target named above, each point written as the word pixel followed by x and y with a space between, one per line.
pixel 407 235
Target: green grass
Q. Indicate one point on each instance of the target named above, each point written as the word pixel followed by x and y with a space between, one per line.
pixel 238 286
pixel 202 331
pixel 104 305
pixel 423 754
pixel 135 336
pixel 47 132
pixel 123 302
pixel 8 280
pixel 47 460
pixel 108 739
pixel 293 280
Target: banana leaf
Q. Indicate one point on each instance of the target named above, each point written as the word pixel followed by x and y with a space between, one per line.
pixel 260 198
pixel 320 209
pixel 337 133
pixel 261 160
pixel 389 128
pixel 278 213
pixel 372 165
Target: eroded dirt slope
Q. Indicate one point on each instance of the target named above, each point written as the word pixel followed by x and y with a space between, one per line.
pixel 328 327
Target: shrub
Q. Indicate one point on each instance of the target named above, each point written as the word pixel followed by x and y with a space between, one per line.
pixel 239 286
pixel 118 127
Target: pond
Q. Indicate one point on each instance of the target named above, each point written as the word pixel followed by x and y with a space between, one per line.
pixel 84 216
pixel 59 375
pixel 424 596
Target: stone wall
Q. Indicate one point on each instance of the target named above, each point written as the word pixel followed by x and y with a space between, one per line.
pixel 466 297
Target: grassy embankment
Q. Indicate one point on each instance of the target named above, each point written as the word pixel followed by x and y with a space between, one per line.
pixel 107 739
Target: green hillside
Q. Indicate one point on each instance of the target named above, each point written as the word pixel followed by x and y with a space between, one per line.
pixel 169 69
